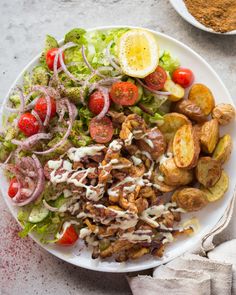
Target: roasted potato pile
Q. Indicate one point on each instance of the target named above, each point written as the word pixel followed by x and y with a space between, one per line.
pixel 192 131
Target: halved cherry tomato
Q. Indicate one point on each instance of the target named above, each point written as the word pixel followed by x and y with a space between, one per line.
pixel 50 56
pixel 28 124
pixel 41 107
pixel 13 188
pixel 69 236
pixel 157 79
pixel 101 130
pixel 124 93
pixel 183 77
pixel 96 102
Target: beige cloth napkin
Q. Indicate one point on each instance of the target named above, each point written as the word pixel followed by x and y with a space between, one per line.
pixel 194 274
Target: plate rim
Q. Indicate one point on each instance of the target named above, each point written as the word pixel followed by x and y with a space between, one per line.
pixel 196 23
pixel 106 268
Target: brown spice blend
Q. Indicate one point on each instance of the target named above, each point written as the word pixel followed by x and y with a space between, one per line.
pixel 220 15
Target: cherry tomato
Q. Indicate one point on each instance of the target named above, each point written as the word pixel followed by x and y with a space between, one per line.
pixel 28 124
pixel 101 130
pixel 13 188
pixel 124 93
pixel 69 236
pixel 41 107
pixel 96 102
pixel 50 56
pixel 157 79
pixel 184 77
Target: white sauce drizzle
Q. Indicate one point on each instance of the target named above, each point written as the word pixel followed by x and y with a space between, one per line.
pixel 76 154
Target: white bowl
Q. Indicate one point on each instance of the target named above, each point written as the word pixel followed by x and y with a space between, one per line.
pixel 208 217
pixel 182 10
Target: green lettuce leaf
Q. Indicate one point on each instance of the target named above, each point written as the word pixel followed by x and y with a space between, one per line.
pixel 76 35
pixel 168 62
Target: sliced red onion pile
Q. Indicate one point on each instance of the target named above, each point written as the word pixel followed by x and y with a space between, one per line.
pixel 26 195
pixel 152 90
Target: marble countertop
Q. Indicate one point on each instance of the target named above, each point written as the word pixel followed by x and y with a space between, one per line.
pixel 24 267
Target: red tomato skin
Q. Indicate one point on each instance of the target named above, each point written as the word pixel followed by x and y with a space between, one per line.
pixel 69 237
pixel 13 188
pixel 101 130
pixel 41 107
pixel 28 124
pixel 157 79
pixel 96 102
pixel 50 56
pixel 124 93
pixel 184 77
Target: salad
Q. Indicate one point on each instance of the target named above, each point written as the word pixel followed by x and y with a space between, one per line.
pixel 101 143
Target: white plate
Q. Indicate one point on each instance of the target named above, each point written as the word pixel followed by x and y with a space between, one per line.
pixel 182 10
pixel 208 217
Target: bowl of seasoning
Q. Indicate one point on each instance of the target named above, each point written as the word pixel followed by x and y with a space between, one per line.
pixel 214 16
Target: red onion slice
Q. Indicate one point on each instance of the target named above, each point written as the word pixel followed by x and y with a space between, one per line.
pixel 152 90
pixel 48 101
pixel 104 82
pixel 38 119
pixel 38 188
pixel 30 141
pixel 61 142
pixel 49 207
pixel 57 56
pixel 88 64
pixel 105 94
pixel 111 58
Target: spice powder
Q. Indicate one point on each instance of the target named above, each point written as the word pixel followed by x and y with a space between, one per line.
pixel 220 15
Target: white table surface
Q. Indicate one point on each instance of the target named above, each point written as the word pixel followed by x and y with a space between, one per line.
pixel 24 267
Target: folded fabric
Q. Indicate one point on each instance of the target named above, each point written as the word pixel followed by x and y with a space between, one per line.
pixel 226 252
pixel 220 272
pixel 146 285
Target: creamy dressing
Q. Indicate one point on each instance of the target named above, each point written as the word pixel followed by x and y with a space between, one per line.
pixel 136 160
pixel 160 177
pixel 67 193
pixel 76 154
pixel 151 214
pixel 136 236
pixel 54 164
pixel 129 139
pixel 168 238
pixel 67 165
pixel 115 145
pixel 84 232
pixel 164 157
pixel 149 142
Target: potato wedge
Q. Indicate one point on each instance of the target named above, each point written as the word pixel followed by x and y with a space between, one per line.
pixel 173 175
pixel 190 199
pixel 218 190
pixel 209 135
pixel 177 92
pixel 203 97
pixel 223 149
pixel 186 147
pixel 172 122
pixel 208 171
pixel 224 113
pixel 191 110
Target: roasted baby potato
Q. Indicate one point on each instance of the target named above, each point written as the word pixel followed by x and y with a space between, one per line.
pixel 186 147
pixel 172 122
pixel 218 190
pixel 223 149
pixel 208 171
pixel 173 175
pixel 202 96
pixel 209 135
pixel 191 110
pixel 177 92
pixel 224 113
pixel 161 186
pixel 190 199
